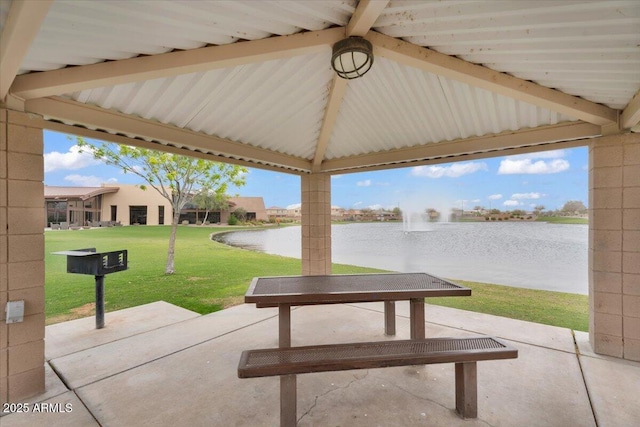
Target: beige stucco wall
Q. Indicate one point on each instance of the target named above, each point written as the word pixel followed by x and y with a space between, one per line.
pixel 614 245
pixel 132 195
pixel 250 204
pixel 21 254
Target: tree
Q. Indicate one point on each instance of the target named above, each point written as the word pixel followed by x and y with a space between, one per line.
pixel 538 210
pixel 174 177
pixel 574 206
pixel 209 200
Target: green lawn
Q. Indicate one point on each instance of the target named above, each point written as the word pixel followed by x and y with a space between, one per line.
pixel 211 276
pixel 562 220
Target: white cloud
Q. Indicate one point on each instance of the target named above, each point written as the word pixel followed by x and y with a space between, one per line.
pixel 476 201
pixel 454 171
pixel 495 197
pixel 336 176
pixel 511 203
pixel 295 206
pixel 527 166
pixel 521 196
pixel 375 207
pixel 365 183
pixel 71 160
pixel 357 204
pixel 88 180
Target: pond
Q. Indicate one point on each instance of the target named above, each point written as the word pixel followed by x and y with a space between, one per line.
pixel 533 255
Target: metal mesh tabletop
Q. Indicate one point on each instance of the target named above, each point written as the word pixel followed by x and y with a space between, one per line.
pixel 350 288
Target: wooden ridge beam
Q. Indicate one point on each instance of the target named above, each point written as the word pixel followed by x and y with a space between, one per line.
pixel 336 93
pixel 365 16
pixel 501 83
pixel 360 23
pixel 73 79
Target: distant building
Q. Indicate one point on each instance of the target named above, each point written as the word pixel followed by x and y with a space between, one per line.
pixel 337 213
pixel 295 213
pixel 275 212
pixel 129 204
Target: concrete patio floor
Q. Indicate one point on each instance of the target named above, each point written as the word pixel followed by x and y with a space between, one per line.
pixel 161 365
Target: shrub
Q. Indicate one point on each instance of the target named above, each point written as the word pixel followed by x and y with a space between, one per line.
pixel 240 214
pixel 232 220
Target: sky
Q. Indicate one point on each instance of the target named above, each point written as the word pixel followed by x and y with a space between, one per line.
pixel 549 178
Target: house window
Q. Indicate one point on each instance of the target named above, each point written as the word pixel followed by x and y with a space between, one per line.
pixel 161 215
pixel 56 212
pixel 138 215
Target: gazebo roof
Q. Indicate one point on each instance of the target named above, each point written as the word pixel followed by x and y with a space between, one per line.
pixel 77 193
pixel 250 82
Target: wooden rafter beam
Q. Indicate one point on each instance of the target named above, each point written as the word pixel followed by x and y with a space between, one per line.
pixel 360 23
pixel 20 29
pixel 476 75
pixel 72 79
pixel 447 151
pixel 469 157
pixel 364 16
pixel 631 115
pixel 183 151
pixel 336 93
pixel 73 112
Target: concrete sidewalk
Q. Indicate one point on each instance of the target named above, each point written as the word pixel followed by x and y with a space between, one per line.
pixel 162 365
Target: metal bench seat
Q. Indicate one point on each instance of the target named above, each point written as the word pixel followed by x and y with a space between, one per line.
pixel 464 352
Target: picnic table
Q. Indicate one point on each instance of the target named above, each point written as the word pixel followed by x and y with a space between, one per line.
pixel 287 362
pixel 287 291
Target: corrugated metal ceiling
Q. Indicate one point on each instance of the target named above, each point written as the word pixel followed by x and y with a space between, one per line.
pixel 584 48
pixel 277 105
pixel 588 49
pixel 398 106
pixel 87 32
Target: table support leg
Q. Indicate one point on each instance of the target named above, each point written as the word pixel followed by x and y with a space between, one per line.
pixel 389 317
pixel 467 389
pixel 416 313
pixel 288 386
pixel 288 401
pixel 284 325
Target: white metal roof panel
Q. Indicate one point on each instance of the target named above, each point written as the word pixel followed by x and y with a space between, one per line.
pixel 397 106
pixel 277 105
pixel 549 42
pixel 86 32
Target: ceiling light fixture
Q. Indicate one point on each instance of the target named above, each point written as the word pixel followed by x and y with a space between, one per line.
pixel 352 57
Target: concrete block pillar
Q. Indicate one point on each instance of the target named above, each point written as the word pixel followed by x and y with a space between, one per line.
pixel 316 224
pixel 614 245
pixel 21 254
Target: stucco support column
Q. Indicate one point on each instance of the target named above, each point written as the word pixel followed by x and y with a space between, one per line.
pixel 316 224
pixel 614 245
pixel 21 254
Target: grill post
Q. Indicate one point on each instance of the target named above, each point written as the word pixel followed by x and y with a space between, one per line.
pixel 99 302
